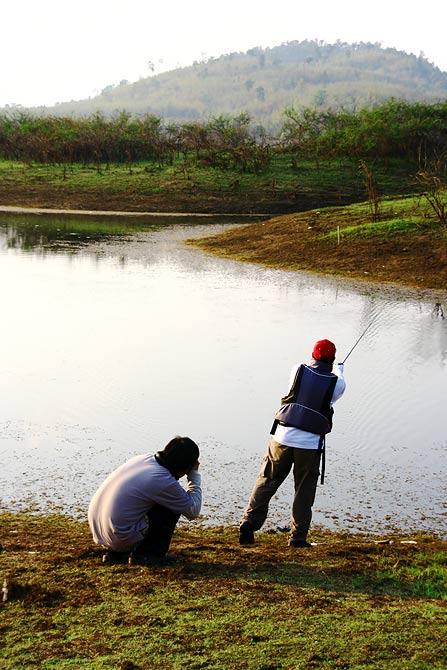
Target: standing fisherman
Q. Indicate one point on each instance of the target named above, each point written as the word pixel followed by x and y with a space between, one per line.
pixel 298 439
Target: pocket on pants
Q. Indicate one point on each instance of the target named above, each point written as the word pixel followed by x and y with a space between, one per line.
pixel 267 468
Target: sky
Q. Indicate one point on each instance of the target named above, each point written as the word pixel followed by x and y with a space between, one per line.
pixel 55 51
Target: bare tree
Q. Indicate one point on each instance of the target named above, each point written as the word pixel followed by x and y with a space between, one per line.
pixel 371 190
pixel 435 190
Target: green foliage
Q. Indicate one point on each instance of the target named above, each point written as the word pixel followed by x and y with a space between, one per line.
pixel 417 131
pixel 414 132
pixel 224 142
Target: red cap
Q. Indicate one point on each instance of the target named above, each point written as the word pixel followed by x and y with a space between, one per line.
pixel 324 350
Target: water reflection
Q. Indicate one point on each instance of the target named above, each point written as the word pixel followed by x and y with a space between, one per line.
pixel 70 234
pixel 61 235
pixel 125 337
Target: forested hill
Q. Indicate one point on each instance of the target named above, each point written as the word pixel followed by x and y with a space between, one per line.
pixel 264 82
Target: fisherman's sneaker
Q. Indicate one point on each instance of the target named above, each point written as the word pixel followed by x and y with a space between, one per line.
pixel 246 533
pixel 293 542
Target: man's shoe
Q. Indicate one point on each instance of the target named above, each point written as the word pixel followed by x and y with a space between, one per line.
pixel 149 560
pixel 115 557
pixel 298 543
pixel 246 533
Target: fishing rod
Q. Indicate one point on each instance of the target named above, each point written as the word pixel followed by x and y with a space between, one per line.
pixel 361 336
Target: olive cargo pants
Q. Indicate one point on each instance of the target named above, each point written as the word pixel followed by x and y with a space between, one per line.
pixel 277 464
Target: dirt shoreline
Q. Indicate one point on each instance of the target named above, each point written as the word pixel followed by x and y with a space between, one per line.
pixel 17 209
pixel 303 242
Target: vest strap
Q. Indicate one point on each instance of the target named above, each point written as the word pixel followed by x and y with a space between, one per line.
pixel 275 425
pixel 322 448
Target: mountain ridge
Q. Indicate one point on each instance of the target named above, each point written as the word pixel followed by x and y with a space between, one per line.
pixel 263 82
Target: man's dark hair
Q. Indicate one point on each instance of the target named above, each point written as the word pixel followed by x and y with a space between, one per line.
pixel 180 454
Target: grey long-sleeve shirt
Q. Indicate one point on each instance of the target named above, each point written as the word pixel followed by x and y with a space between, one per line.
pixel 117 512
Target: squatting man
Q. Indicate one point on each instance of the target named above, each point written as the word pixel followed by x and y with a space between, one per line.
pixel 135 510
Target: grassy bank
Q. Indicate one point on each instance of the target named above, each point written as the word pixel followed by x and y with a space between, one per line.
pixel 186 186
pixel 348 602
pixel 407 245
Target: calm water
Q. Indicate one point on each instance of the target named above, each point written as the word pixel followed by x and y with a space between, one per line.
pixel 115 339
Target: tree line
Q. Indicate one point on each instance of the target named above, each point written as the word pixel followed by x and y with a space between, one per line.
pixel 412 131
pixel 228 143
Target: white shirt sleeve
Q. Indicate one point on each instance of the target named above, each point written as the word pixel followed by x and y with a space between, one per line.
pixel 340 384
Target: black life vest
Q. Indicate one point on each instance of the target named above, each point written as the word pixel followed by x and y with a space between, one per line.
pixel 308 403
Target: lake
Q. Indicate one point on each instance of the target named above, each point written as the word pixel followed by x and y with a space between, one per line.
pixel 116 336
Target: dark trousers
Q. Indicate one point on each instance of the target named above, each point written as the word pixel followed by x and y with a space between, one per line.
pixel 277 464
pixel 162 523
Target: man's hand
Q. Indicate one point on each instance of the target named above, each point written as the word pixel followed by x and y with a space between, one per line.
pixel 195 466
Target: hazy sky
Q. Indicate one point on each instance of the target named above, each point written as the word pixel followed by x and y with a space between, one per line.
pixel 54 51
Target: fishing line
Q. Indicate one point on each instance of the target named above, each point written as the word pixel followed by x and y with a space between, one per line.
pixel 364 333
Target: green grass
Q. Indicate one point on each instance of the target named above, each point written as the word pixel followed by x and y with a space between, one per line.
pixel 398 216
pixel 348 602
pixel 377 229
pixel 284 186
